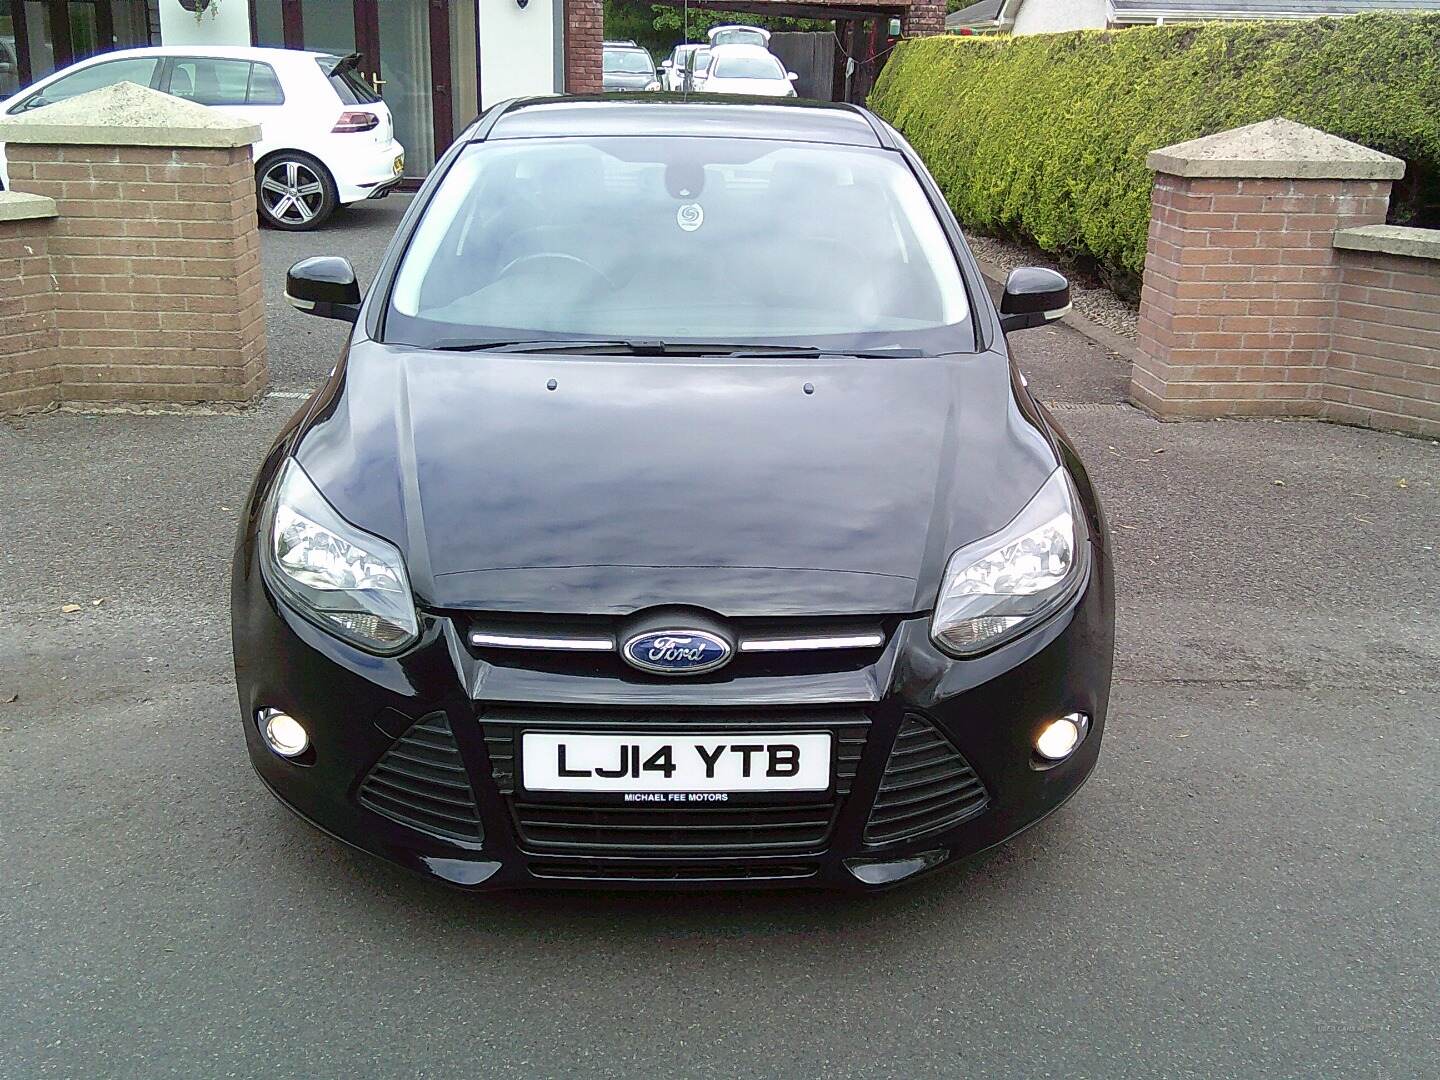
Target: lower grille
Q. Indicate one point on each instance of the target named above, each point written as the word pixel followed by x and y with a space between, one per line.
pixel 927 787
pixel 564 871
pixel 421 782
pixel 645 830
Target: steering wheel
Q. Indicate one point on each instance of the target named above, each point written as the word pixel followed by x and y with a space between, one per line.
pixel 555 256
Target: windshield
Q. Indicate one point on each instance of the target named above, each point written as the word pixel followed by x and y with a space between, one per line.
pixel 747 67
pixel 628 62
pixel 802 244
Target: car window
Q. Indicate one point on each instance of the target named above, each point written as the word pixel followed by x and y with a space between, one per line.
pixel 138 69
pixel 801 243
pixel 264 86
pixel 347 83
pixel 628 62
pixel 739 37
pixel 747 67
pixel 208 80
pixel 699 60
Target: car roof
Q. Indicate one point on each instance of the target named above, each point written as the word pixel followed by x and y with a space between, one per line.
pixel 676 115
pixel 741 50
pixel 231 52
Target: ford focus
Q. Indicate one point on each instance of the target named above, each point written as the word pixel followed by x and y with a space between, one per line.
pixel 582 570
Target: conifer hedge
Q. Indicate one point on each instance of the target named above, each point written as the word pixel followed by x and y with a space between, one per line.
pixel 1044 137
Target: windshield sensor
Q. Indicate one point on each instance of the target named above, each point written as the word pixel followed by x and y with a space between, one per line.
pixel 651 347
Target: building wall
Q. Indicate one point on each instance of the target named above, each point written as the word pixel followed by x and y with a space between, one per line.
pixel 517 48
pixel 227 24
pixel 1053 16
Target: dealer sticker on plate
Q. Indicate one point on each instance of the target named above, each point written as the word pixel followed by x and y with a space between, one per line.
pixel 679 764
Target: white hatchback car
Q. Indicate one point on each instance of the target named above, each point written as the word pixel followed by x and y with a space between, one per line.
pixel 750 70
pixel 326 137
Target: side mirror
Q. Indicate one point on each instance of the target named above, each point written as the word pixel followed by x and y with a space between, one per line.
pixel 791 76
pixel 1033 297
pixel 324 286
pixel 666 63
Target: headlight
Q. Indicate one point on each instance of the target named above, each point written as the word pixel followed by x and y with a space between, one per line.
pixel 349 582
pixel 996 588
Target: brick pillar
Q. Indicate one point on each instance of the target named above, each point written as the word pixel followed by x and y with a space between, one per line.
pixel 154 256
pixel 28 376
pixel 584 34
pixel 923 19
pixel 1241 274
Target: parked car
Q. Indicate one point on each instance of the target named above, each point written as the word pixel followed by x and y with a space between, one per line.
pixel 749 70
pixel 326 137
pixel 772 572
pixel 732 34
pixel 697 66
pixel 672 70
pixel 627 67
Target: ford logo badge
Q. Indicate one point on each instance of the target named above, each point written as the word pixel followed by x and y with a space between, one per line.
pixel 676 652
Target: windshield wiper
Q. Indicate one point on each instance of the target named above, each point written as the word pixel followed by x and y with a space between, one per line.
pixel 655 347
pixel 522 345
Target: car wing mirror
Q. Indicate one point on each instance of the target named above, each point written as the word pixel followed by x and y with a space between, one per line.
pixel 324 286
pixel 1033 297
pixel 666 64
pixel 791 76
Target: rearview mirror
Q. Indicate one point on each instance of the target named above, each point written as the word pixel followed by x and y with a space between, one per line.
pixel 791 76
pixel 1033 297
pixel 324 286
pixel 666 63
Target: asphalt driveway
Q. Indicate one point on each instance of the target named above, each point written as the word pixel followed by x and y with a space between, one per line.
pixel 1248 886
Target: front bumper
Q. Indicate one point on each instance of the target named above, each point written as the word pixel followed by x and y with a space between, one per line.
pixel 358 708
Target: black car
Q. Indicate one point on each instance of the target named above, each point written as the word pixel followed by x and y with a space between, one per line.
pixel 764 571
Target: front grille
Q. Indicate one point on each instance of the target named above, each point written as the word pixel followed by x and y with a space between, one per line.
pixel 654 872
pixel 927 787
pixel 589 645
pixel 646 830
pixel 421 782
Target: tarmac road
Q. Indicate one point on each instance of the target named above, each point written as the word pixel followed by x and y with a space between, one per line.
pixel 1247 887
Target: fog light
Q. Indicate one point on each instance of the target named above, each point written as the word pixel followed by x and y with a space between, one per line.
pixel 283 733
pixel 1060 737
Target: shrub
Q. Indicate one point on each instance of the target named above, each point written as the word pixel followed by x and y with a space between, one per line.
pixel 1044 138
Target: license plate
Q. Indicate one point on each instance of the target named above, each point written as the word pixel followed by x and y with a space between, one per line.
pixel 678 765
pixel 399 164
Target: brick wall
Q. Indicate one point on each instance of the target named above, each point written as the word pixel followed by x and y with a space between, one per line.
pixel 584 32
pixel 924 17
pixel 1241 280
pixel 1384 368
pixel 28 377
pixel 154 260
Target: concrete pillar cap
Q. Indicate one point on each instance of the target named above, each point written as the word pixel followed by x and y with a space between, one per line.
pixel 20 206
pixel 128 115
pixel 1275 149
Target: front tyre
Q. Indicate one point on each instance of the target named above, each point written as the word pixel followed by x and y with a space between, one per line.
pixel 293 191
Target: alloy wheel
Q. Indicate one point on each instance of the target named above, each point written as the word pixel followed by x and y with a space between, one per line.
pixel 292 192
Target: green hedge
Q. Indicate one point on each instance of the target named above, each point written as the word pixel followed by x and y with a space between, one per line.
pixel 1045 137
